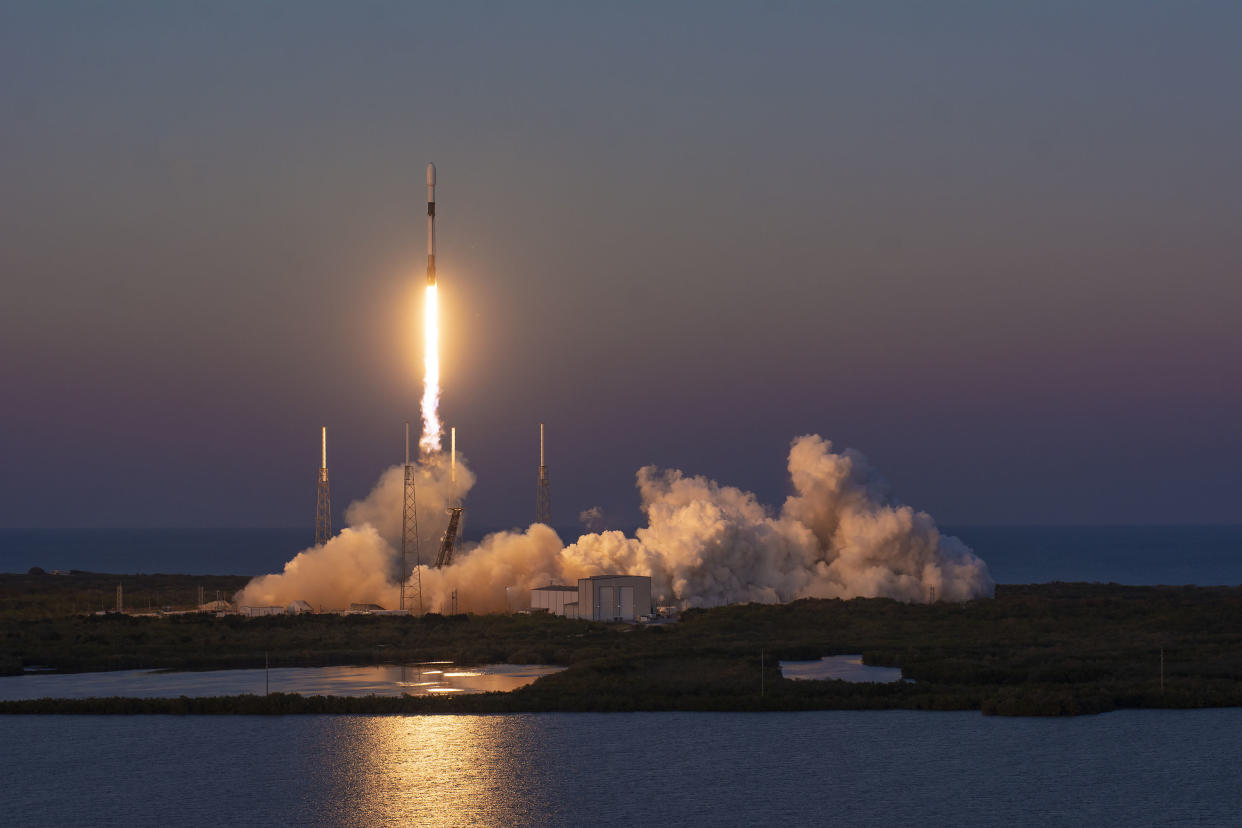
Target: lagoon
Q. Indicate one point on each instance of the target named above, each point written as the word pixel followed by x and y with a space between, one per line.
pixel 882 768
pixel 841 668
pixel 381 680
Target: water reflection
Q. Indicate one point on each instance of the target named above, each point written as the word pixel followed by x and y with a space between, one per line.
pixel 380 680
pixel 438 770
pixel 843 667
pixel 882 768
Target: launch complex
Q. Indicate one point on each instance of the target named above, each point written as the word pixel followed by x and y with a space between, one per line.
pixel 429 443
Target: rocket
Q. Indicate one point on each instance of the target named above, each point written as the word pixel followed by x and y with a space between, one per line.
pixel 431 224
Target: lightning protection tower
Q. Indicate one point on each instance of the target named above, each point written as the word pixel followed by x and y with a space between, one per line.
pixel 543 493
pixel 409 532
pixel 323 506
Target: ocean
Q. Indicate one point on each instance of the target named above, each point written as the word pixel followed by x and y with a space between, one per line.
pixel 1205 555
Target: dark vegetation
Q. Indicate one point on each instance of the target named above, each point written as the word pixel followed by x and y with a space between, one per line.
pixel 1052 649
pixel 38 594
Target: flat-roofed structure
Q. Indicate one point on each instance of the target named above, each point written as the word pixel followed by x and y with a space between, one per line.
pixel 553 598
pixel 599 598
pixel 614 597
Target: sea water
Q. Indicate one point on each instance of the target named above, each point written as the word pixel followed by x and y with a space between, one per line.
pixel 1206 555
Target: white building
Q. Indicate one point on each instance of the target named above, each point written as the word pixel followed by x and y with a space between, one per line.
pixel 600 598
pixel 553 598
pixel 298 607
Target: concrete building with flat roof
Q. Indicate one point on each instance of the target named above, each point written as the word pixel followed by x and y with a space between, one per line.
pixel 553 598
pixel 599 598
pixel 614 597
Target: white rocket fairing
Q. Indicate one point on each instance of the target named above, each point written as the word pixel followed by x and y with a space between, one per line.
pixel 431 224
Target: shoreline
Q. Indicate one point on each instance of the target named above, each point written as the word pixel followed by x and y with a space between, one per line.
pixel 1033 701
pixel 1045 649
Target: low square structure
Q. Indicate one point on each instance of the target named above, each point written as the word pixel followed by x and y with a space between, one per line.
pixel 599 598
pixel 614 597
pixel 553 598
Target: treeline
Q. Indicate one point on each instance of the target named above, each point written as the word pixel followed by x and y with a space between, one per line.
pixel 39 594
pixel 204 642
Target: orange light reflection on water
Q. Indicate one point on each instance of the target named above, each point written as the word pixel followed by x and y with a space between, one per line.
pixel 435 770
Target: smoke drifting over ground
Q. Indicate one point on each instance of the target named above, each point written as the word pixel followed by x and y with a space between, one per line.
pixel 363 562
pixel 840 535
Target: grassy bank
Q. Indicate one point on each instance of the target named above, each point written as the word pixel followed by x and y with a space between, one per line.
pixel 1054 649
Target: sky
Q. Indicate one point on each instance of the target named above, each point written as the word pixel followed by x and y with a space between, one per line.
pixel 993 246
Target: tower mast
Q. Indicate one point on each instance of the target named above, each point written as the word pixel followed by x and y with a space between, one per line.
pixel 409 530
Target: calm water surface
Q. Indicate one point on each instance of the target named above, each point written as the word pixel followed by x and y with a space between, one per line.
pixel 843 667
pixel 380 680
pixel 875 768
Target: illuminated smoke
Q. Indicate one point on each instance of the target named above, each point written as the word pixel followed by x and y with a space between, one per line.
pixel 363 563
pixel 430 441
pixel 840 535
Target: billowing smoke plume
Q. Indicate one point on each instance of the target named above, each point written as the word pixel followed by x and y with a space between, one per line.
pixel 840 535
pixel 363 563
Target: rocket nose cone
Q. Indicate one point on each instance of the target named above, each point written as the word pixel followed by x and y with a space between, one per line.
pixel 431 175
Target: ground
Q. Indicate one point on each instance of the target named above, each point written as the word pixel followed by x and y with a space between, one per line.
pixel 1049 649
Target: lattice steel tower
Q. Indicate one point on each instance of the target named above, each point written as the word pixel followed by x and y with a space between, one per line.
pixel 323 506
pixel 449 543
pixel 409 531
pixel 543 494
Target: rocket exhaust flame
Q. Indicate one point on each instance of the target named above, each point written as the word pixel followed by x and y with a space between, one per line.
pixel 430 441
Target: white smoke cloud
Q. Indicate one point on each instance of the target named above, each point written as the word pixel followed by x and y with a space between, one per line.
pixel 353 566
pixel 839 536
pixel 436 487
pixel 363 563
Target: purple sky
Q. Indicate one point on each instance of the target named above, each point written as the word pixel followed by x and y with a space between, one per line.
pixel 995 247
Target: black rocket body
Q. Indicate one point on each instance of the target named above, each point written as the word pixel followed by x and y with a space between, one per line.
pixel 431 224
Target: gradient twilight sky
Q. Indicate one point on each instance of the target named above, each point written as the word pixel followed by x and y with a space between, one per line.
pixel 994 246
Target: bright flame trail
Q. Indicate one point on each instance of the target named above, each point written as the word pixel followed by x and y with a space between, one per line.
pixel 430 441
